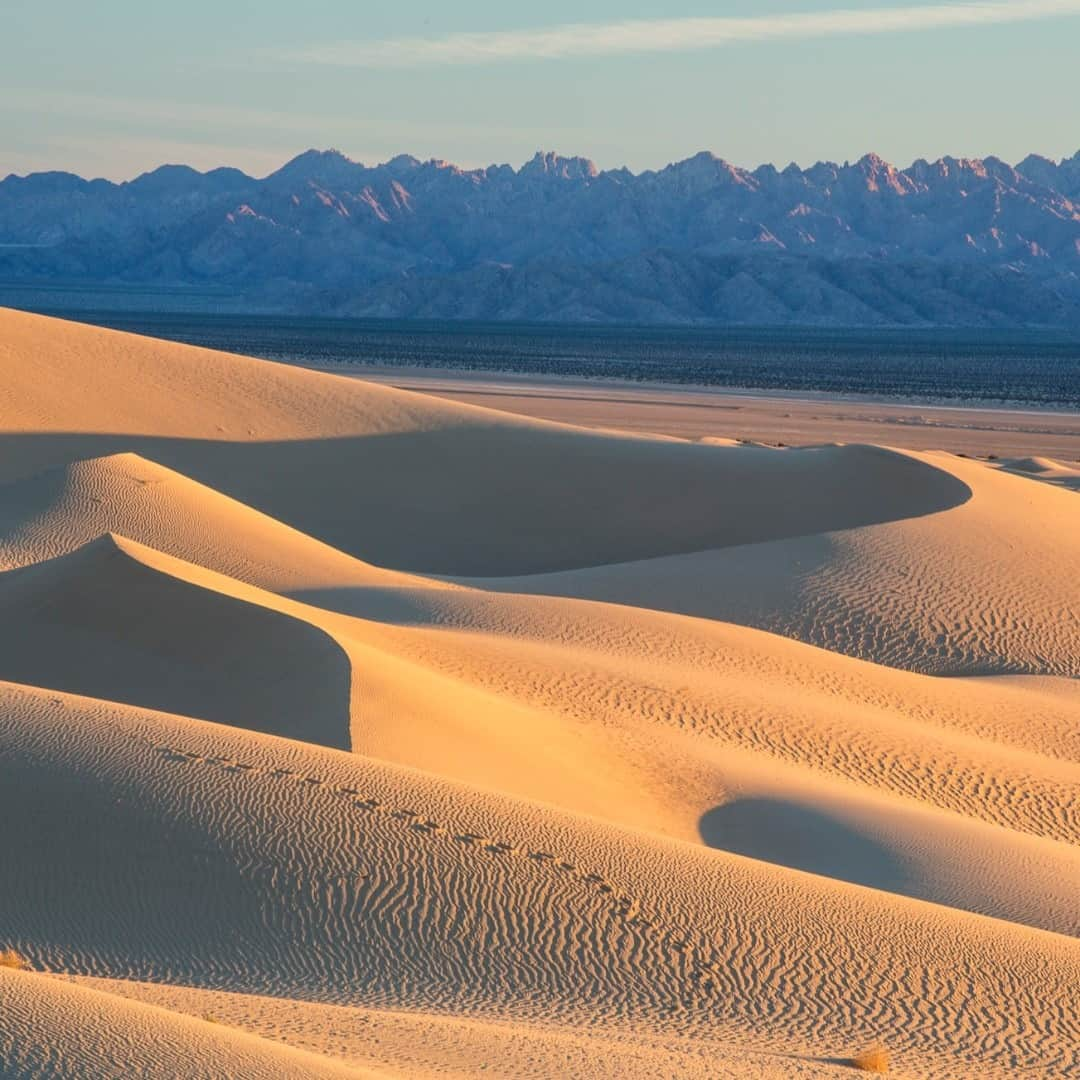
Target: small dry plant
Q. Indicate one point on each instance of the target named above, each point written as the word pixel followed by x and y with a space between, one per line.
pixel 874 1060
pixel 9 958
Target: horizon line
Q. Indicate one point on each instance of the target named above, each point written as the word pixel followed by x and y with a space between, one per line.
pixel 447 163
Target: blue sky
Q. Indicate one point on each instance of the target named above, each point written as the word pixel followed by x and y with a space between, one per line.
pixel 116 87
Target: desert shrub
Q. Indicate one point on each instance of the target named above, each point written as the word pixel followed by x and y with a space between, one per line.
pixel 874 1060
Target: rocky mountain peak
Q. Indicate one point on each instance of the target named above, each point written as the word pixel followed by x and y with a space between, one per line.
pixel 326 224
pixel 550 164
pixel 322 167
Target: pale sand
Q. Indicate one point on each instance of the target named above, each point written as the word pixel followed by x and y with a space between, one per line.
pixel 696 413
pixel 684 795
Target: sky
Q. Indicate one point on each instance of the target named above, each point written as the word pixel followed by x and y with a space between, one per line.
pixel 117 87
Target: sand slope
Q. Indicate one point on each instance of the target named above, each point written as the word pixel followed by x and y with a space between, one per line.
pixel 422 1044
pixel 58 510
pixel 666 781
pixel 111 621
pixel 53 1028
pixel 433 486
pixel 983 587
pixel 364 883
pixel 1049 470
pixel 866 743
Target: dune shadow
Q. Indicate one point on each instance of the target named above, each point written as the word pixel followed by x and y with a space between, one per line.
pixel 99 623
pixel 802 838
pixel 499 500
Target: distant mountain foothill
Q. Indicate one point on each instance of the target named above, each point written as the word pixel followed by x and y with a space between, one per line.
pixel 955 242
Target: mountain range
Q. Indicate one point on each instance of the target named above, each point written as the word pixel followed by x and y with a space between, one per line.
pixel 966 242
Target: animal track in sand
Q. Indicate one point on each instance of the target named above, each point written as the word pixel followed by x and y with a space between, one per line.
pixel 676 940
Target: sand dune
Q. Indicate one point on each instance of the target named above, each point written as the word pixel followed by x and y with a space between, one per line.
pixel 433 486
pixel 980 588
pixel 640 713
pixel 112 621
pixel 703 721
pixel 1042 468
pixel 56 511
pixel 53 1028
pixel 423 1044
pixel 667 780
pixel 367 884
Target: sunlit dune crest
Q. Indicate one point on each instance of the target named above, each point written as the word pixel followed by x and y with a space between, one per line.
pixel 346 731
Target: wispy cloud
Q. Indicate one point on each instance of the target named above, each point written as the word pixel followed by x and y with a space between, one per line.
pixel 673 35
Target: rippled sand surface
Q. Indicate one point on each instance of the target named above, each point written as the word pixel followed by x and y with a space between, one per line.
pixel 348 731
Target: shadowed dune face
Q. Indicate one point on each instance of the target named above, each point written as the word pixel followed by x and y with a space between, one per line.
pixel 421 484
pixel 102 623
pixel 898 846
pixel 979 589
pixel 796 835
pixel 490 501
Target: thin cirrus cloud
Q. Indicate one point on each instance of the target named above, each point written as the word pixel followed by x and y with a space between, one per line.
pixel 672 35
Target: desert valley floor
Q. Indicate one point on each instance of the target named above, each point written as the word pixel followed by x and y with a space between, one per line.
pixel 351 732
